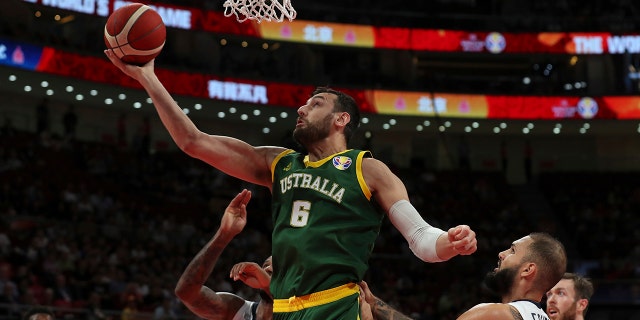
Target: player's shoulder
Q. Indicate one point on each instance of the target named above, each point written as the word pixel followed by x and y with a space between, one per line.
pixel 488 311
pixel 371 163
pixel 273 152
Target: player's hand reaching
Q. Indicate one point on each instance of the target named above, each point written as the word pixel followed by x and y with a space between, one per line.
pixel 367 299
pixel 373 308
pixel 463 240
pixel 252 275
pixel 235 216
pixel 366 293
pixel 133 71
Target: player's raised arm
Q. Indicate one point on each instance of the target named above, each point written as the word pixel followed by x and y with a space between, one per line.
pixel 229 155
pixel 191 289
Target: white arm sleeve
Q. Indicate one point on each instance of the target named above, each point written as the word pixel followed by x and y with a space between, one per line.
pixel 421 236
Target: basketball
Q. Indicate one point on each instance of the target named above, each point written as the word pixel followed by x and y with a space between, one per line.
pixel 135 33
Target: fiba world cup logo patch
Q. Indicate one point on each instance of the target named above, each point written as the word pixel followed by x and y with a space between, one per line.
pixel 342 162
pixel 587 107
pixel 495 42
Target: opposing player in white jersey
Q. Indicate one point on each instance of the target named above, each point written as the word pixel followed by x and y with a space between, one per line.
pixel 525 272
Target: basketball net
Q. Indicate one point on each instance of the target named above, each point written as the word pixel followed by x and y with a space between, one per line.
pixel 259 10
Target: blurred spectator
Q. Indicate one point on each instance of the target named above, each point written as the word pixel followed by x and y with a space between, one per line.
pixel 39 313
pixel 8 129
pixel 42 117
pixel 142 138
pixel 464 158
pixel 528 161
pixel 9 297
pixel 69 123
pixel 165 310
pixel 121 130
pixel 7 286
pixel 504 156
pixel 5 242
pixel 130 310
pixel 94 307
pixel 10 159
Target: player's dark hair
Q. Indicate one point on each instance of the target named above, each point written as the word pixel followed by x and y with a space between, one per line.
pixel 551 258
pixel 344 103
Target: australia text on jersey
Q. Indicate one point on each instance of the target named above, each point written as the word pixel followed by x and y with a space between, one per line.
pixel 309 181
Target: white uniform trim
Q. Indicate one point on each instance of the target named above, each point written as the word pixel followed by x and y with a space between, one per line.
pixel 529 310
pixel 245 312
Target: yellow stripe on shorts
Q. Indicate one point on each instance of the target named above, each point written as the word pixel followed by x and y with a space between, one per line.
pixel 315 299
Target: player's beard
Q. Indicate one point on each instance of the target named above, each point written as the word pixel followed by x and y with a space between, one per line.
pixel 499 283
pixel 313 132
pixel 569 314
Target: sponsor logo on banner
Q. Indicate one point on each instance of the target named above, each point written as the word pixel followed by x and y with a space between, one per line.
pixel 472 44
pixel 323 34
pixel 587 107
pixel 234 91
pixel 495 42
pixel 20 55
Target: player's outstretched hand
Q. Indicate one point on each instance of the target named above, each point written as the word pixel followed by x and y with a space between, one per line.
pixel 131 70
pixel 366 293
pixel 463 240
pixel 235 216
pixel 251 274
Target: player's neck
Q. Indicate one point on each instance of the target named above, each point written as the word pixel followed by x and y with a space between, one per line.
pixel 522 295
pixel 322 149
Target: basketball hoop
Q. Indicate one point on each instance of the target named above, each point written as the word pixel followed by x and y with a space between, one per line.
pixel 259 10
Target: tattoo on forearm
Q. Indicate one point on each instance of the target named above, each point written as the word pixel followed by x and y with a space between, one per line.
pixel 382 311
pixel 199 269
pixel 516 315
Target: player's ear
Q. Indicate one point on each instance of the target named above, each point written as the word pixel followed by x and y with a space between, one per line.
pixel 343 119
pixel 529 269
pixel 582 305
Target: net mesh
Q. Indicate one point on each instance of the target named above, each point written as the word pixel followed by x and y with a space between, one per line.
pixel 260 10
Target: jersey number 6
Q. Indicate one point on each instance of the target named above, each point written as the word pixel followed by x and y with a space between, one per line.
pixel 300 213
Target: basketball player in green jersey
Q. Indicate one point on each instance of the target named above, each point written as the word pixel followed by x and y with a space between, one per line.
pixel 328 204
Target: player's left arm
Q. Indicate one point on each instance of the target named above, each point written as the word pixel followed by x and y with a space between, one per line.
pixel 427 242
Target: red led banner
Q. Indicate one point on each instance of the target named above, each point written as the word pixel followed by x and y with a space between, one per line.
pixel 427 104
pixel 560 107
pixel 188 84
pixel 337 34
pixel 372 101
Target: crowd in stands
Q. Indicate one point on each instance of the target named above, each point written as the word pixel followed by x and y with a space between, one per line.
pixel 96 230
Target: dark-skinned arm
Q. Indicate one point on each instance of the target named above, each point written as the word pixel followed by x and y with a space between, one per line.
pixel 380 309
pixel 191 290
